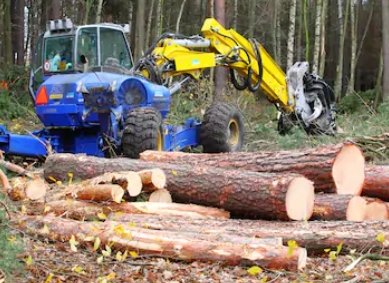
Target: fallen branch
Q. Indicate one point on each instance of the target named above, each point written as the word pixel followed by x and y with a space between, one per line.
pixel 365 256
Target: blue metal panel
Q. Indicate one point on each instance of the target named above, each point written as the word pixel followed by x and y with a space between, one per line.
pixel 178 138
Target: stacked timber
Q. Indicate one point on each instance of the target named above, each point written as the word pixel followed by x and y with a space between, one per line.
pixel 284 203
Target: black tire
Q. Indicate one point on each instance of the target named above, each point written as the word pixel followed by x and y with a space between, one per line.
pixel 142 131
pixel 222 129
pixel 285 123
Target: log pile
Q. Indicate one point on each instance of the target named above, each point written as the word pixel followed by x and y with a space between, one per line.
pixel 259 208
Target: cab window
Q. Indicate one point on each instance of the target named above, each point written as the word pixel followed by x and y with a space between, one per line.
pixel 87 46
pixel 114 50
pixel 58 54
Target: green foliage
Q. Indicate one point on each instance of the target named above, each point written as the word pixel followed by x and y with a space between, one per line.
pixel 354 102
pixel 11 245
pixel 15 101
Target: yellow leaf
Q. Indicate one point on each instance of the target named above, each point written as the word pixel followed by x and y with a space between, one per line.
pixel 12 239
pixel 174 172
pixel 107 251
pixel 52 179
pixel 124 256
pixel 49 278
pixel 118 230
pixel 254 270
pixel 112 275
pixel 118 213
pixel 380 237
pixel 119 256
pixel 100 259
pixel 102 216
pixel 339 248
pixel 73 243
pixel 292 245
pixel 332 255
pixel 45 229
pixel 96 244
pixel 89 239
pixel 264 279
pixel 47 208
pixel 77 269
pixel 23 209
pixel 70 178
pixel 134 254
pixel 29 260
pixel 59 183
pixel 327 250
pixel 131 224
pixel 353 251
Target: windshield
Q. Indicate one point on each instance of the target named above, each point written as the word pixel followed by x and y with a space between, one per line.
pixel 58 54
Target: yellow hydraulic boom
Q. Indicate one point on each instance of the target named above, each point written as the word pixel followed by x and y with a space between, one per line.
pixel 175 55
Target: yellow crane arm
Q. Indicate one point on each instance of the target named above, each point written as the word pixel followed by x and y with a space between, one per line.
pixel 174 55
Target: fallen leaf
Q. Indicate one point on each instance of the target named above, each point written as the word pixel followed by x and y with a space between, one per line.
pixel 254 270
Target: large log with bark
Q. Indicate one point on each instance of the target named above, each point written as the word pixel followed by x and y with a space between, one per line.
pixel 171 244
pixel 92 211
pixel 377 182
pixel 339 207
pixel 315 236
pixel 282 196
pixel 315 164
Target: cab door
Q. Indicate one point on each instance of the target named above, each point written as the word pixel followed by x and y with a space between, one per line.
pixel 36 70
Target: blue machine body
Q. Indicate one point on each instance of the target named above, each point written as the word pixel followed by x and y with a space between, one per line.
pixel 79 108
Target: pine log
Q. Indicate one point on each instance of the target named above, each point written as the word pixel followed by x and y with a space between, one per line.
pixel 314 163
pixel 90 211
pixel 36 189
pixel 377 210
pixel 339 207
pixel 153 179
pixel 161 195
pixel 315 236
pixel 98 193
pixel 169 244
pixel 376 182
pixel 282 196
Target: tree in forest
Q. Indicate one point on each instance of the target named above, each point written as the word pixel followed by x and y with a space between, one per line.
pixel 291 34
pixel 385 49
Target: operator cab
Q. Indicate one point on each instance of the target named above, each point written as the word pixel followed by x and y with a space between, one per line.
pixel 65 49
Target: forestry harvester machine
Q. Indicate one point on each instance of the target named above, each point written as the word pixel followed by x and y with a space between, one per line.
pixel 93 99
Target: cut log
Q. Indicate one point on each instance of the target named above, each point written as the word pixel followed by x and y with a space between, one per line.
pixel 315 236
pixel 313 163
pixel 17 189
pixel 128 180
pixel 339 207
pixel 153 179
pixel 377 182
pixel 169 244
pixel 36 189
pixel 98 193
pixel 282 196
pixel 377 210
pixel 161 195
pixel 348 170
pixel 90 211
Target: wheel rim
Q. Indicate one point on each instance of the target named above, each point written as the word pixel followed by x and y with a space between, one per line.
pixel 233 130
pixel 159 141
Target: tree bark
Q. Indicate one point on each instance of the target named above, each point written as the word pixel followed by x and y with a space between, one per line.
pixel 98 193
pixel 80 210
pixel 354 11
pixel 385 46
pixel 171 244
pixel 291 33
pixel 98 12
pixel 8 33
pixel 315 236
pixel 322 64
pixel 318 29
pixel 339 207
pixel 245 194
pixel 313 163
pixel 377 182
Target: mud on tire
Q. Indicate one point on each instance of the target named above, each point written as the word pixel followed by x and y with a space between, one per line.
pixel 222 129
pixel 142 131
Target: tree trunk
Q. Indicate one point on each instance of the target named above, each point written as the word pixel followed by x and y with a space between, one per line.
pixel 97 193
pixel 378 85
pixel 291 34
pixel 385 46
pixel 8 33
pixel 339 207
pixel 140 29
pixel 17 18
pixel 281 196
pixel 306 29
pixel 377 182
pixel 98 12
pixel 80 210
pixel 220 72
pixel 235 16
pixel 278 32
pixel 318 28
pixel 322 63
pixel 180 15
pixel 354 11
pixel 315 236
pixel 314 163
pixel 55 10
pixel 251 18
pixel 342 33
pixel 149 38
